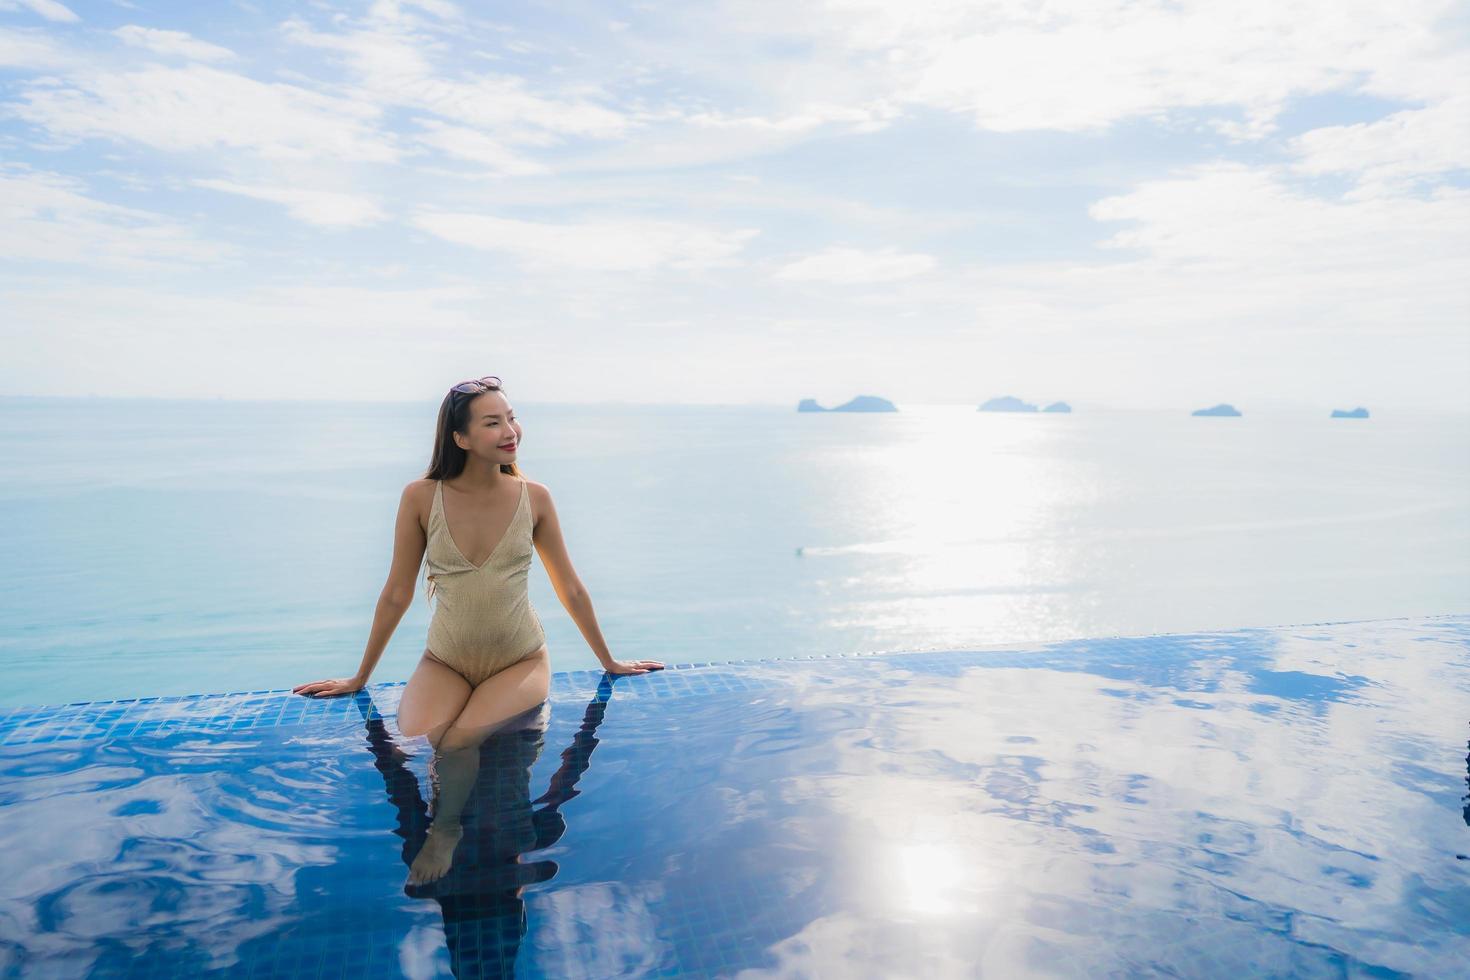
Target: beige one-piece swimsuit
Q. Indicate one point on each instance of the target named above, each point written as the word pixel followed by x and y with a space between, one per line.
pixel 483 620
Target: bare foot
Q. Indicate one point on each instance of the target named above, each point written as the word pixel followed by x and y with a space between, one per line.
pixel 435 856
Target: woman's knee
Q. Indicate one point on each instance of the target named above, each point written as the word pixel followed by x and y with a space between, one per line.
pixel 413 724
pixel 436 734
pixel 455 739
pixel 432 699
pixel 505 694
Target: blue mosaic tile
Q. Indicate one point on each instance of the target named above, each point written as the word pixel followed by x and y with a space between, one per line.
pixel 252 709
pixel 1254 802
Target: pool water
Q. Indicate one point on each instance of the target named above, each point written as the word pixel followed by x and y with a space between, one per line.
pixel 1282 801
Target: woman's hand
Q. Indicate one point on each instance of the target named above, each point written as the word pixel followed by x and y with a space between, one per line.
pixel 632 666
pixel 327 689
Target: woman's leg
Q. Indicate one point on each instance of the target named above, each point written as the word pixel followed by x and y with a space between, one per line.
pixel 433 698
pixel 453 775
pixel 456 764
pixel 499 698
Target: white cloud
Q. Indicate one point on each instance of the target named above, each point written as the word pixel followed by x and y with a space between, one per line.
pixel 49 9
pixel 1219 278
pixel 176 43
pixel 202 108
pixel 854 265
pixel 1240 281
pixel 382 57
pixel 1249 221
pixel 294 341
pixel 50 217
pixel 394 68
pixel 590 159
pixel 472 144
pixel 626 245
pixel 30 49
pixel 1015 65
pixel 1408 144
pixel 1217 251
pixel 392 11
pixel 807 117
pixel 317 207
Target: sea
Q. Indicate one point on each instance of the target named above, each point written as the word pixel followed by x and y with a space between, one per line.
pixel 166 547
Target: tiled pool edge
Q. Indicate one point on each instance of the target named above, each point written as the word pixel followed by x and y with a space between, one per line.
pixel 249 710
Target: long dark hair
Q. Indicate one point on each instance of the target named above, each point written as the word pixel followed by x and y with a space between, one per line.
pixel 454 416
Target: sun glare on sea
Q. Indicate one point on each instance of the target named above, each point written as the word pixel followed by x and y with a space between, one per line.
pixel 975 509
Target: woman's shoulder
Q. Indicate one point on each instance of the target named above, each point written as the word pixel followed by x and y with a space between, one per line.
pixel 420 494
pixel 418 488
pixel 540 498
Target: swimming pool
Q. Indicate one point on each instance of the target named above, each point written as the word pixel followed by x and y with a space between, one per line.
pixel 1284 801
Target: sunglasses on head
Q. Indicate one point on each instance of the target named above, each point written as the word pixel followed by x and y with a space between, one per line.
pixel 488 383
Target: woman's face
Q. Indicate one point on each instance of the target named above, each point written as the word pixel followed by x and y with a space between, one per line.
pixel 492 425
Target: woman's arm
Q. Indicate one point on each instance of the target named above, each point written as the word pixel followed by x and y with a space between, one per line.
pixel 409 542
pixel 547 537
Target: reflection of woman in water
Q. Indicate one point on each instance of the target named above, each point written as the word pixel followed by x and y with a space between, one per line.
pixel 486 661
pixel 484 913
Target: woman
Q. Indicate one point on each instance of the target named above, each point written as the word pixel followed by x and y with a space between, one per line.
pixel 486 660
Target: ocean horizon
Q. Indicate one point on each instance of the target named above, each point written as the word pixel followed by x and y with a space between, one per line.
pixel 172 546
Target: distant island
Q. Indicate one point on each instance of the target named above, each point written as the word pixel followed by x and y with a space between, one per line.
pixel 862 403
pixel 1006 404
pixel 1358 413
pixel 1057 407
pixel 1220 409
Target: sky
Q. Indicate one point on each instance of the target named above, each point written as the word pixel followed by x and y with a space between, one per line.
pixel 1110 202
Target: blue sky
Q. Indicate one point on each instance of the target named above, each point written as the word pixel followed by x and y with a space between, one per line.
pixel 1121 204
